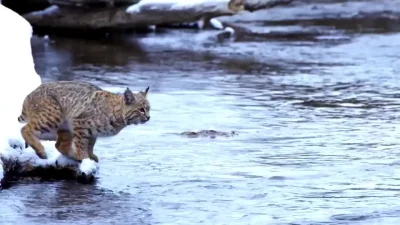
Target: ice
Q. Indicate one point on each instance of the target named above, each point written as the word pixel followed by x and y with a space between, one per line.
pixel 20 78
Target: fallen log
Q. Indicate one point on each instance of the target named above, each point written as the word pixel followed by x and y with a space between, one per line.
pixel 144 14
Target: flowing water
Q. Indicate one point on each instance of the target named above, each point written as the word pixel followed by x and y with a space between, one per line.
pixel 312 91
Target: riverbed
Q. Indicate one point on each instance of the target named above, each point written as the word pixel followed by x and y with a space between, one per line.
pixel 313 96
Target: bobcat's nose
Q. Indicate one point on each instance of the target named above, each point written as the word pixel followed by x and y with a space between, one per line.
pixel 148 118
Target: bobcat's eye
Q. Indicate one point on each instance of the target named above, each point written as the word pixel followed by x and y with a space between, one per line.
pixel 142 110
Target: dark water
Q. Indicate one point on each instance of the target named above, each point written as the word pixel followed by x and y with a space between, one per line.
pixel 314 96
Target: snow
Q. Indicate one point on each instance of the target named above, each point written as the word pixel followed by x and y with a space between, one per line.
pixel 88 167
pixel 216 24
pixel 230 30
pixel 20 154
pixel 20 78
pixel 178 5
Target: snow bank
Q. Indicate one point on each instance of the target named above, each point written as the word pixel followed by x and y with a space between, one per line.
pixel 19 79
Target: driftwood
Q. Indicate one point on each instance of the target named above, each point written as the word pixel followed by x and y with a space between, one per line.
pixel 140 15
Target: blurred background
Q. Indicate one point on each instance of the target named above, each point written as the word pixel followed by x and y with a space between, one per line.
pixel 310 87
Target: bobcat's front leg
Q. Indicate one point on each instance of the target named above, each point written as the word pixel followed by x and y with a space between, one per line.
pixel 73 144
pixel 64 142
pixel 83 140
pixel 92 156
pixel 81 146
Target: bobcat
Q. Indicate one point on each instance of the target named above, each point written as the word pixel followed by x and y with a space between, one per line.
pixel 75 114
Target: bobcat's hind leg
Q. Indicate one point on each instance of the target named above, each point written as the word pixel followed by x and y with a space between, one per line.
pixel 30 132
pixel 43 119
pixel 39 127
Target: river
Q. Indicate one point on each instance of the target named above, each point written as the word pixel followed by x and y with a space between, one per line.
pixel 312 91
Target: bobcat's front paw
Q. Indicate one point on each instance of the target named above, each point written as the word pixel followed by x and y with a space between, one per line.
pixel 42 155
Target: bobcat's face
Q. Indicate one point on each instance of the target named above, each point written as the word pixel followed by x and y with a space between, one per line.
pixel 137 108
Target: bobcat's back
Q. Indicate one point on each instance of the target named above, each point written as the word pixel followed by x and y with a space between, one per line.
pixel 72 97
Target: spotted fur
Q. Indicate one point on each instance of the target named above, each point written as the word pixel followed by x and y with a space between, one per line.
pixel 75 114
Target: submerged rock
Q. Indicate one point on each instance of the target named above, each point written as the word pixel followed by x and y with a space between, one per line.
pixel 208 133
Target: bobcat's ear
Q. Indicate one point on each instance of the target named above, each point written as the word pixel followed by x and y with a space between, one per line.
pixel 145 91
pixel 129 97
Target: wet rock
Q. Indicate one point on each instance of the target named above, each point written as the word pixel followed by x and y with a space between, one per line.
pixel 208 133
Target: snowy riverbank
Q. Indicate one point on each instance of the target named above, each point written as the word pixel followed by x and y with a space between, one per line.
pixel 20 78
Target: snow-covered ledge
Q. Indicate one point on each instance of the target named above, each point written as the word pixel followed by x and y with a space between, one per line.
pixel 19 79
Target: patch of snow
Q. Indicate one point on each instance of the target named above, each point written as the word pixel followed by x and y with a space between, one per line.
pixel 200 23
pixel 216 24
pixel 153 27
pixel 88 166
pixel 135 8
pixel 20 78
pixel 230 30
pixel 18 152
pixel 47 11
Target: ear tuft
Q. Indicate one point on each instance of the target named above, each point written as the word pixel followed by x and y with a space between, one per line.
pixel 147 90
pixel 129 97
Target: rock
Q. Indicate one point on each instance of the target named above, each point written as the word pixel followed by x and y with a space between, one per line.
pixel 208 133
